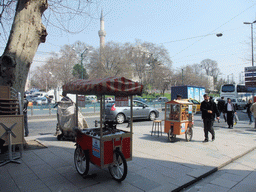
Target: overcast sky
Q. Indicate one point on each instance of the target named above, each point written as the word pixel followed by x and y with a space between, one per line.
pixel 186 28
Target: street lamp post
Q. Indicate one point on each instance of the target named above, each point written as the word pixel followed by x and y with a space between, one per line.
pixel 251 37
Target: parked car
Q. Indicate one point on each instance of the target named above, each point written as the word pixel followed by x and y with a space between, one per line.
pixel 40 101
pixel 109 99
pixel 161 99
pixel 121 114
pixel 195 103
pixel 30 98
pixel 239 103
pixel 139 99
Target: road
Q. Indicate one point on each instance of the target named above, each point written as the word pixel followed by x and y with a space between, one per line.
pixel 47 125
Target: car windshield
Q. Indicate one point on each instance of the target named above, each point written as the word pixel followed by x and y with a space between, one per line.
pixel 194 101
pixel 233 100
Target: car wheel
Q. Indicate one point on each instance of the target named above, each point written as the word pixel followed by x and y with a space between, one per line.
pixel 120 118
pixel 152 116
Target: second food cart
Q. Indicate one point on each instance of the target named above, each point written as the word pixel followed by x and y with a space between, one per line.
pixel 178 119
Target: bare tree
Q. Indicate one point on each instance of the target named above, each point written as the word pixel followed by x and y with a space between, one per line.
pixel 211 68
pixel 113 62
pixel 27 32
pixel 148 60
pixel 189 77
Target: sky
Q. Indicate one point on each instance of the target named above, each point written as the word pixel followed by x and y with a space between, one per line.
pixel 186 28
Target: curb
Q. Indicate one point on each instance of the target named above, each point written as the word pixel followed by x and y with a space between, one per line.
pixel 212 171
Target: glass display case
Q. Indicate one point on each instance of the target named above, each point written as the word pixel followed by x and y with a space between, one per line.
pixel 178 119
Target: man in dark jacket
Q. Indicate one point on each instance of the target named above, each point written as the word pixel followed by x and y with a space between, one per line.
pixel 221 104
pixel 209 110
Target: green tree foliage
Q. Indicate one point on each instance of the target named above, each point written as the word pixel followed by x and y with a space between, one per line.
pixel 79 72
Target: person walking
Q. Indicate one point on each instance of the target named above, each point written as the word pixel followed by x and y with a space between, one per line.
pixel 25 109
pixel 230 110
pixel 253 110
pixel 248 110
pixel 221 105
pixel 179 97
pixel 209 110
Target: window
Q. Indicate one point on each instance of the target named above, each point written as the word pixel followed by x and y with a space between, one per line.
pixel 140 104
pixel 241 88
pixel 228 88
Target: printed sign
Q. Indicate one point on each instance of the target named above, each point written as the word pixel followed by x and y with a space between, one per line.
pixel 190 107
pixel 96 147
pixel 81 100
pixel 121 101
pixel 183 127
pixel 249 69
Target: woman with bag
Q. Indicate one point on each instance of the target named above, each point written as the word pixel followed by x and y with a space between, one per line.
pixel 230 110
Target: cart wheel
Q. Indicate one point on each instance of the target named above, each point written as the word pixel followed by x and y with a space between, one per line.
pixel 118 169
pixel 189 134
pixel 120 118
pixel 81 159
pixel 171 136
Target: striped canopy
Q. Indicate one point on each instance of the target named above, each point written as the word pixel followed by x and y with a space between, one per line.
pixel 118 86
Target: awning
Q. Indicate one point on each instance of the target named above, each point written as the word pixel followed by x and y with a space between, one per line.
pixel 118 86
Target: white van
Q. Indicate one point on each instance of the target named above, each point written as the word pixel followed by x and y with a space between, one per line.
pixel 39 94
pixel 92 98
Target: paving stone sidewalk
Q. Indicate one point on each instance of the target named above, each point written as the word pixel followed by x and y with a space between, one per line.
pixel 157 165
pixel 236 177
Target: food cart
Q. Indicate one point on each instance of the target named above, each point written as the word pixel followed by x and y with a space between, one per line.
pixel 107 146
pixel 179 119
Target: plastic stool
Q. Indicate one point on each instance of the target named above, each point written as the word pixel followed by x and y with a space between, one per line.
pixel 157 124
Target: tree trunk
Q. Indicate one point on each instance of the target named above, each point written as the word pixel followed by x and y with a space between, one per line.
pixel 25 36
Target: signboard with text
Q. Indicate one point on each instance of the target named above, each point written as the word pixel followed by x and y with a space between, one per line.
pixel 121 101
pixel 250 76
pixel 81 100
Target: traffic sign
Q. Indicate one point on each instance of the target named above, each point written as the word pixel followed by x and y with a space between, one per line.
pixel 250 74
pixel 250 84
pixel 250 79
pixel 250 69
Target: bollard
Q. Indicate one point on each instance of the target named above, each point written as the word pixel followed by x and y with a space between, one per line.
pixel 94 107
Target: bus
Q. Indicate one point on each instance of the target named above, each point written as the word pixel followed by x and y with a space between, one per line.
pixel 235 91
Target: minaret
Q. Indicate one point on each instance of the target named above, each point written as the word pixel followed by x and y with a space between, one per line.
pixel 102 33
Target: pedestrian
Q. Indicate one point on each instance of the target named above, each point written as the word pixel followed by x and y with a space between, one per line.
pixel 179 97
pixel 221 105
pixel 230 109
pixel 253 110
pixel 49 100
pixel 25 109
pixel 65 97
pixel 248 110
pixel 209 110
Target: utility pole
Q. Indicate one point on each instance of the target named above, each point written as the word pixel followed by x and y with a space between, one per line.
pixel 251 23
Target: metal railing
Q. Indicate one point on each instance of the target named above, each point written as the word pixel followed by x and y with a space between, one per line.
pixel 49 109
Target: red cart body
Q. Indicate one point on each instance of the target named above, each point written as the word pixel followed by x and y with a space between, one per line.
pixel 101 151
